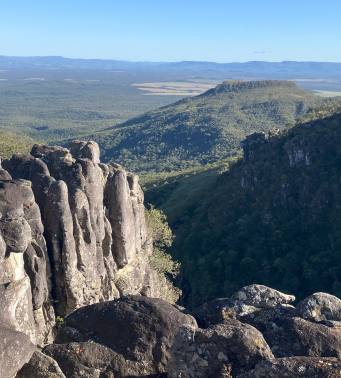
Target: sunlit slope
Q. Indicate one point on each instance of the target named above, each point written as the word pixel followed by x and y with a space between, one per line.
pixel 203 129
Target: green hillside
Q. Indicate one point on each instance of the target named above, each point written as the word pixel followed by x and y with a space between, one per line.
pixel 281 229
pixel 11 144
pixel 203 129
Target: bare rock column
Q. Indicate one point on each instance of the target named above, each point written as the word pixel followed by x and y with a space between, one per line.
pixel 23 263
pixel 92 218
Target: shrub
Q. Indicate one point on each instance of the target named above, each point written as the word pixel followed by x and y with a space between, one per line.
pixel 161 261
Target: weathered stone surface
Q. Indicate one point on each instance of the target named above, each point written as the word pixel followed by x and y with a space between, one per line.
pixel 61 245
pixel 40 150
pixel 23 166
pixel 40 366
pixel 121 217
pixel 40 186
pixel 248 300
pixel 199 353
pixel 138 328
pixel 15 196
pixel 297 367
pixel 265 317
pixel 93 360
pixel 11 294
pixel 22 255
pixel 261 296
pixel 319 307
pixel 101 243
pixel 298 337
pixel 86 150
pixel 15 350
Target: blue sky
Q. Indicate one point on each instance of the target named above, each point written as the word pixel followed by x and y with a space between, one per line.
pixel 215 30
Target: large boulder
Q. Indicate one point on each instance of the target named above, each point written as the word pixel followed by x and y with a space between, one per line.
pixel 297 367
pixel 15 350
pixel 205 353
pixel 40 366
pixel 297 337
pixel 319 307
pixel 243 304
pixel 138 328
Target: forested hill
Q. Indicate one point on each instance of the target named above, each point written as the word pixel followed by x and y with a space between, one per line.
pixel 273 219
pixel 203 129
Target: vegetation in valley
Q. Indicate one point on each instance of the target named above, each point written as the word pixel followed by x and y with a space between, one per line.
pixel 282 229
pixel 56 111
pixel 11 144
pixel 203 129
pixel 174 192
pixel 162 262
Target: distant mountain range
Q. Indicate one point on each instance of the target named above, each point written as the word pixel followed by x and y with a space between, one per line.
pixel 255 67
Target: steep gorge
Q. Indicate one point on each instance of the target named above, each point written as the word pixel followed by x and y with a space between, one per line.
pixel 271 218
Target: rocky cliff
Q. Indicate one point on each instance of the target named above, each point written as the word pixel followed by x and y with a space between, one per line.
pixel 72 233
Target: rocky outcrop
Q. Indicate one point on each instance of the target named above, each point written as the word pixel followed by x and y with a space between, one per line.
pixel 305 340
pixel 72 233
pixel 300 152
pixel 319 307
pixel 135 329
pixel 199 353
pixel 252 143
pixel 244 304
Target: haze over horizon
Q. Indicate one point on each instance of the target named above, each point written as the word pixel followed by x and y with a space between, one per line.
pixel 222 31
